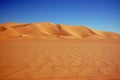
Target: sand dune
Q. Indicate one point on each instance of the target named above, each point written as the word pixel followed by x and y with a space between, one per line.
pixel 51 30
pixel 47 51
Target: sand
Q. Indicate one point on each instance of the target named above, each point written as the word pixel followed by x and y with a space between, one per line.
pixel 50 30
pixel 47 51
pixel 60 60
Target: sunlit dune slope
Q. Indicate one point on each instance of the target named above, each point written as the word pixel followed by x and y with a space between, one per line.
pixel 51 30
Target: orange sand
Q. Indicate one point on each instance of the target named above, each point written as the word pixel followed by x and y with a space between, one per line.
pixel 34 52
pixel 49 30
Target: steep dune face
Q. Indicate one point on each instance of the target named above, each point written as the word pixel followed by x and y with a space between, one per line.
pixel 50 30
pixel 77 31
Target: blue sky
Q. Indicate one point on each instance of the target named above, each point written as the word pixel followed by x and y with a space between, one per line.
pixel 98 14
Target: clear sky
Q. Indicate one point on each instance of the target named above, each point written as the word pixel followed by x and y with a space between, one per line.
pixel 98 14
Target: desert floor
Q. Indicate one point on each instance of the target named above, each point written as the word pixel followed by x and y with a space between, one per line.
pixel 60 59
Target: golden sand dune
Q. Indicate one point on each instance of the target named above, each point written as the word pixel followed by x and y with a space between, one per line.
pixel 47 51
pixel 50 30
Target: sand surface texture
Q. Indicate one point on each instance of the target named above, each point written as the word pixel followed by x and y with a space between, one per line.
pixel 46 51
pixel 60 60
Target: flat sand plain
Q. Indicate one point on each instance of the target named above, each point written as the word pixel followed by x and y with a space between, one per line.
pixel 63 59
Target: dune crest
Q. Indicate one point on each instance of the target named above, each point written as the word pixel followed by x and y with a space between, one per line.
pixel 51 30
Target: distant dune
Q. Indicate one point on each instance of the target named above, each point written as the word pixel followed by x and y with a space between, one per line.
pixel 50 30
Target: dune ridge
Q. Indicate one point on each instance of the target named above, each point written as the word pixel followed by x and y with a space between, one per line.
pixel 51 30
